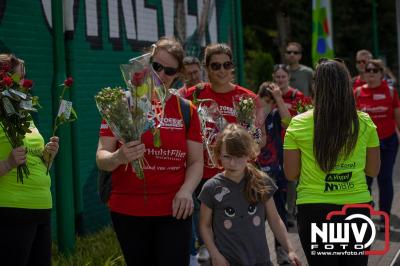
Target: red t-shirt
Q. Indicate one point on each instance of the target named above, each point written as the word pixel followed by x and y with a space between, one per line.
pixel 290 98
pixel 165 170
pixel 225 102
pixel 358 82
pixel 380 105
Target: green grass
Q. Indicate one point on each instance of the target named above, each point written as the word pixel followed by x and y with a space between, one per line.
pixel 99 249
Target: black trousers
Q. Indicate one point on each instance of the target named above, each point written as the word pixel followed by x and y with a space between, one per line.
pixel 25 237
pixel 316 213
pixel 153 241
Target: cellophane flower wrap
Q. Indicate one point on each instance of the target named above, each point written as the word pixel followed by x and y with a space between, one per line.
pixel 212 122
pixel 16 103
pixel 245 108
pixel 113 106
pixel 303 105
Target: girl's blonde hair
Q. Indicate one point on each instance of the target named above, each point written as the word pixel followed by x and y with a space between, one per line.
pixel 239 143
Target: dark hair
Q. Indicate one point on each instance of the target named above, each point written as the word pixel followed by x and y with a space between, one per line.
pixel 298 45
pixel 238 142
pixel 213 49
pixel 191 60
pixel 378 63
pixel 173 47
pixel 263 90
pixel 336 122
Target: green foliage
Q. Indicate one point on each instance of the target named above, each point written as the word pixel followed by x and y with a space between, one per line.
pixel 100 249
pixel 258 66
pixel 352 27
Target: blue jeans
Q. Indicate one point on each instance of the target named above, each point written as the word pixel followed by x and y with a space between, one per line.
pixel 388 148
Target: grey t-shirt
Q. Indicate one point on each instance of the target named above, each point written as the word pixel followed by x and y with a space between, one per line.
pixel 238 226
pixel 301 79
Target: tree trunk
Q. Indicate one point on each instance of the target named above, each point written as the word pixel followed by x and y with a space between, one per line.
pixel 180 20
pixel 283 25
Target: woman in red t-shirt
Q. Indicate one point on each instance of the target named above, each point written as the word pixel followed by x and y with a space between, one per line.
pixel 381 102
pixel 219 66
pixel 149 214
pixel 281 76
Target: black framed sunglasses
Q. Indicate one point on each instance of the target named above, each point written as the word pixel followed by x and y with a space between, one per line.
pixel 361 62
pixel 217 66
pixel 293 52
pixel 170 71
pixel 372 70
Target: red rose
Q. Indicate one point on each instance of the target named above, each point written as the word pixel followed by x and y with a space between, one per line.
pixel 68 82
pixel 27 83
pixel 7 81
pixel 6 68
pixel 137 78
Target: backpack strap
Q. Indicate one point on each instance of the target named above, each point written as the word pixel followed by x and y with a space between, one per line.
pixel 391 90
pixel 293 96
pixel 185 110
pixel 357 92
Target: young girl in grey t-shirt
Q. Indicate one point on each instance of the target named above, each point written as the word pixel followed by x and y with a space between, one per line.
pixel 236 203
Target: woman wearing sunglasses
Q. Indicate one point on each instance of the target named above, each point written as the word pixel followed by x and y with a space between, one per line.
pixel 151 217
pixel 219 67
pixel 381 102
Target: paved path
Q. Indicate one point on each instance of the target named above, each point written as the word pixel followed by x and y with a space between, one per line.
pixel 381 260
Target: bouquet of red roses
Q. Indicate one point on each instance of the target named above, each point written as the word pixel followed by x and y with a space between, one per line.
pixel 16 103
pixel 303 105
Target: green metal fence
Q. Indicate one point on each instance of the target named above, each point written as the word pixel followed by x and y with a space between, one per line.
pixel 94 39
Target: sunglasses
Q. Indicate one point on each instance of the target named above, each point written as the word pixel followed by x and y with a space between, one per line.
pixel 217 66
pixel 293 52
pixel 336 59
pixel 372 70
pixel 361 62
pixel 281 66
pixel 170 71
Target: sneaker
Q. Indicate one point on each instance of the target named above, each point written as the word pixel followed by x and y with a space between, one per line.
pixel 203 255
pixel 281 256
pixel 193 260
pixel 291 220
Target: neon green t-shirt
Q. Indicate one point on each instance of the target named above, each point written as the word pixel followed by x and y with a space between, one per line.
pixel 34 193
pixel 346 183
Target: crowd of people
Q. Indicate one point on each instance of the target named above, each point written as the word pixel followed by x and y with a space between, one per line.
pixel 217 211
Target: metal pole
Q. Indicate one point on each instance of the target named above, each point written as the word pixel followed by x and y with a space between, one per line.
pixel 63 161
pixel 239 41
pixel 398 38
pixel 375 43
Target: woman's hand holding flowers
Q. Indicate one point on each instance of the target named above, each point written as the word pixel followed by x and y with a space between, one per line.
pixel 130 151
pixel 51 149
pixel 17 157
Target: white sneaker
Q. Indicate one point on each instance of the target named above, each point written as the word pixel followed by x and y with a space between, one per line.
pixel 193 260
pixel 203 254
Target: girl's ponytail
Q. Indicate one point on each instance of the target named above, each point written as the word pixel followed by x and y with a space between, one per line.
pixel 256 189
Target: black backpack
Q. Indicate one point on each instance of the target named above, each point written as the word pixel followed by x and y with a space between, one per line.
pixel 104 177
